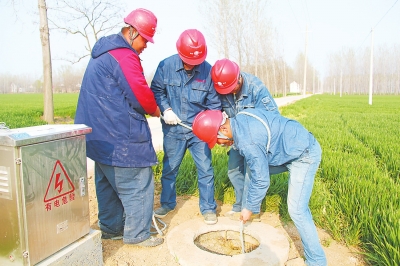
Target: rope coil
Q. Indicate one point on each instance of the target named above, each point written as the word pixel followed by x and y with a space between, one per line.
pixel 154 225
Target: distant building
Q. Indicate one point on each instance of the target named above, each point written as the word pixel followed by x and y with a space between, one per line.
pixel 294 87
pixel 14 88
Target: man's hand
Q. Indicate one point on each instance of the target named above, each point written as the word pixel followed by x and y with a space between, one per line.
pixel 245 215
pixel 170 117
pixel 156 113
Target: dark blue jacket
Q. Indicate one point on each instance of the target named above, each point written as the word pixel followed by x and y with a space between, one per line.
pixel 113 101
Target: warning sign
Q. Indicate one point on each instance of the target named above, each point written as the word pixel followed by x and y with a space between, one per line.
pixel 60 184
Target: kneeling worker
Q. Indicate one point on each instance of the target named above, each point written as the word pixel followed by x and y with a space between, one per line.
pixel 267 139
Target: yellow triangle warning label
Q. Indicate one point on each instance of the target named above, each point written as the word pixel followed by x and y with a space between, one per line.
pixel 60 184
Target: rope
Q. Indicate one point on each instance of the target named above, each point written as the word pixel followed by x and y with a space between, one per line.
pixel 159 231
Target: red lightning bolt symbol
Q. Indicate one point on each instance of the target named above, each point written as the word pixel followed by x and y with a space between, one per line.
pixel 59 183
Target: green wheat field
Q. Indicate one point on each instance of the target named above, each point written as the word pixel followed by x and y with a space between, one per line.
pixel 356 195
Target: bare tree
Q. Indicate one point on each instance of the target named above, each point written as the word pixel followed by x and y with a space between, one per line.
pixel 244 38
pixel 89 20
pixel 48 111
pixel 68 79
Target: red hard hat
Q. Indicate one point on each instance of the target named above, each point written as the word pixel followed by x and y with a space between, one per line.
pixel 225 75
pixel 144 22
pixel 192 48
pixel 206 125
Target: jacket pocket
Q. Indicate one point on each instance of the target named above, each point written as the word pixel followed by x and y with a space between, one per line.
pixel 139 128
pixel 173 88
pixel 198 94
pixel 269 105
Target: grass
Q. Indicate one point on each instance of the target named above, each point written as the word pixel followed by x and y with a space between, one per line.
pixel 23 110
pixel 356 194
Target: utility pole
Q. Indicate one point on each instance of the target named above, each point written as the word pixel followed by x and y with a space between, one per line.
pixel 284 75
pixel 341 82
pixel 334 86
pixel 305 64
pixel 313 81
pixel 371 68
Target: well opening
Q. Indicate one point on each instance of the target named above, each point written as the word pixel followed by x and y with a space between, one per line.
pixel 226 242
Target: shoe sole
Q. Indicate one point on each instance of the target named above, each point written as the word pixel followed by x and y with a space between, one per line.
pixel 149 246
pixel 113 238
pixel 146 244
pixel 210 222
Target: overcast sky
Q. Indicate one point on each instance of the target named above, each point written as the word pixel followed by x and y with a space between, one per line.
pixel 332 25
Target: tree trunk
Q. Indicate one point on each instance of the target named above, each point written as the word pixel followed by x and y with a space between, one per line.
pixel 48 111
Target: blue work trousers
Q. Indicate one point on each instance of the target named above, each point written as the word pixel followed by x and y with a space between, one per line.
pixel 301 180
pixel 174 151
pixel 125 199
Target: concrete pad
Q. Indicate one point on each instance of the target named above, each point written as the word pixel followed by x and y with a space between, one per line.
pixel 273 249
pixel 84 251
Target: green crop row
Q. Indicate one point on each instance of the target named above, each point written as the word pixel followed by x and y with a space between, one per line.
pixel 357 191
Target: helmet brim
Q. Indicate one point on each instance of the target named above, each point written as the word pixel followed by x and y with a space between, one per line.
pixel 226 90
pixel 193 62
pixel 212 143
pixel 147 37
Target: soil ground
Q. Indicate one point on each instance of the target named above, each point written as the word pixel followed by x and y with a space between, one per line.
pixel 116 253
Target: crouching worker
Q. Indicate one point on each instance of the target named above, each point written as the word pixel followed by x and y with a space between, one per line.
pixel 266 139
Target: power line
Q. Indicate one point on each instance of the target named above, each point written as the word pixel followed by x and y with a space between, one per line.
pixel 377 24
pixel 307 13
pixel 386 13
pixel 294 14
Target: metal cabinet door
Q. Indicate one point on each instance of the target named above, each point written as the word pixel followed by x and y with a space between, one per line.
pixel 55 195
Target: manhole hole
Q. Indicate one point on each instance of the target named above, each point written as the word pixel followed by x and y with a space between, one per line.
pixel 226 242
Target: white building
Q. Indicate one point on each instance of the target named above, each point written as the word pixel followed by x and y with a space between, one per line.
pixel 294 87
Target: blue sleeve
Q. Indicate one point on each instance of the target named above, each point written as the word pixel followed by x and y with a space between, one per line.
pixel 263 98
pixel 257 161
pixel 159 89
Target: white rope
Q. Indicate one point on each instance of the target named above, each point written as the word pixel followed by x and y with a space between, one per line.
pixel 159 231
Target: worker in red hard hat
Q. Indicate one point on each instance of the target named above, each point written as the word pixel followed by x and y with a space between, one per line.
pixel 113 100
pixel 267 139
pixel 238 91
pixel 183 87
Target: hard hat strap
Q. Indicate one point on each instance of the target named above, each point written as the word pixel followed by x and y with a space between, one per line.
pixel 132 35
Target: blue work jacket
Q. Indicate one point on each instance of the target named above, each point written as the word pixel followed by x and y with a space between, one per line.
pixel 287 140
pixel 253 94
pixel 186 95
pixel 109 103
